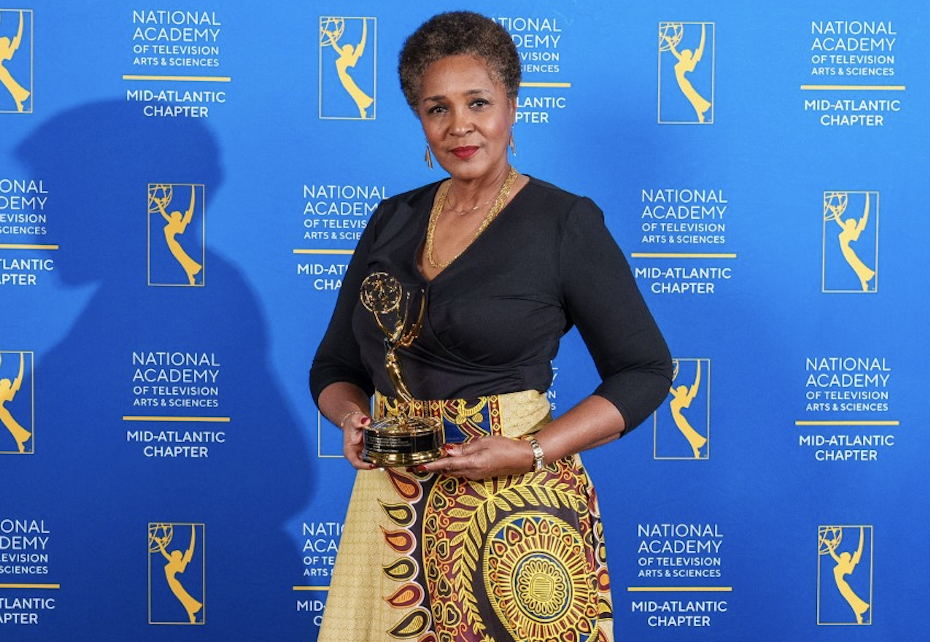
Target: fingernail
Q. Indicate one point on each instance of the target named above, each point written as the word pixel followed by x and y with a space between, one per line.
pixel 447 447
pixel 365 421
pixel 420 469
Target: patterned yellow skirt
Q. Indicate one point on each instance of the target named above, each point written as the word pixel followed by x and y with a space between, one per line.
pixel 432 558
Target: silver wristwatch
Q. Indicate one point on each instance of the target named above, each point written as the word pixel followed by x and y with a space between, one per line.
pixel 538 455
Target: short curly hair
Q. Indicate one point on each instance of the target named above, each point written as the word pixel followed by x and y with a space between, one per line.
pixel 458 33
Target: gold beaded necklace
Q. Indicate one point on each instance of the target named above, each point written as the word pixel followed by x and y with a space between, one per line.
pixel 440 205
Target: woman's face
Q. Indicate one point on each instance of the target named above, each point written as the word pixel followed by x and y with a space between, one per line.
pixel 466 116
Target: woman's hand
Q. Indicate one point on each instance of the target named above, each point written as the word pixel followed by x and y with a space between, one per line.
pixel 347 406
pixel 593 422
pixel 492 456
pixel 353 437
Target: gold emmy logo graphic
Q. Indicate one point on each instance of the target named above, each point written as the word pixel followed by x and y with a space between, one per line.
pixel 347 68
pixel 16 404
pixel 850 241
pixel 170 243
pixel 15 60
pixel 844 575
pixel 686 72
pixel 689 411
pixel 176 570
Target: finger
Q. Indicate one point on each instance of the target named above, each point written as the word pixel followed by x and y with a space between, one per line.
pixel 352 442
pixel 359 422
pixel 355 458
pixel 442 465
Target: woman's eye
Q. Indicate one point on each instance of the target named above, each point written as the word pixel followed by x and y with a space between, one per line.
pixel 481 102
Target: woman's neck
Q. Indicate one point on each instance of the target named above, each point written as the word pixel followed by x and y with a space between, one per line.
pixel 468 194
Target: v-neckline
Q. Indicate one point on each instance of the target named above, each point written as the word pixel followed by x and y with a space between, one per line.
pixel 421 247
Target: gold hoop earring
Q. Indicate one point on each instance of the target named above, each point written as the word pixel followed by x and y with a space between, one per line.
pixel 429 158
pixel 513 146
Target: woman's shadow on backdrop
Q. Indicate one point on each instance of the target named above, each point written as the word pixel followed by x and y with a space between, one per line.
pixel 101 491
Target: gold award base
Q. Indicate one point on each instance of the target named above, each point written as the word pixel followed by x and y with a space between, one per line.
pixel 404 441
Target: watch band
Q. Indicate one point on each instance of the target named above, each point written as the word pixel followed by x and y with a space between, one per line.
pixel 538 456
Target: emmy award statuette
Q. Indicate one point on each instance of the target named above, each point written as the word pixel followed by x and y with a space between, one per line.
pixel 400 440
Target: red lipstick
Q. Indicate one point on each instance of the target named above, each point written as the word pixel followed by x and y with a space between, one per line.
pixel 465 152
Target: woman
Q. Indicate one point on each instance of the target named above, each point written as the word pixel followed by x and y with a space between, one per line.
pixel 500 539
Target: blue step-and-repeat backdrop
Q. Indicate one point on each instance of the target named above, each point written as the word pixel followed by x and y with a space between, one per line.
pixel 181 187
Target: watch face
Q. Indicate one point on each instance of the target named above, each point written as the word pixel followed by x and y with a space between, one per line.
pixel 538 456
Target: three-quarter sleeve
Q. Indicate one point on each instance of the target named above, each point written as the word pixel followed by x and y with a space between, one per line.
pixel 338 357
pixel 602 299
